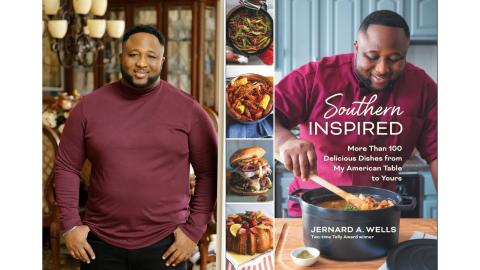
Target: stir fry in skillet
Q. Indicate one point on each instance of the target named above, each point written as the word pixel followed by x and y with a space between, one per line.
pixel 250 32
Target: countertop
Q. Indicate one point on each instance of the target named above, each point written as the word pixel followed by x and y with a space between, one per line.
pixel 289 235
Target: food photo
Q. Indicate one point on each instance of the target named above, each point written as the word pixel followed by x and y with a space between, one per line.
pixel 250 172
pixel 249 98
pixel 249 32
pixel 249 235
pixel 249 177
pixel 249 103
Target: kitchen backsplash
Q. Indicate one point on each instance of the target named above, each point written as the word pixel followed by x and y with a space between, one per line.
pixel 425 57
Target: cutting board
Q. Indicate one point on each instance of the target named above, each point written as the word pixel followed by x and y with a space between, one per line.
pixel 289 236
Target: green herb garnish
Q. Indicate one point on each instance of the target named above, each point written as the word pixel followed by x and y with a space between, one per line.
pixel 350 207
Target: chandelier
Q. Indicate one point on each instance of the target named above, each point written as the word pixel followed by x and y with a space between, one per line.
pixel 77 36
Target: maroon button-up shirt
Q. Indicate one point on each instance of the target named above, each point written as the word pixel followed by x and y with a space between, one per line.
pixel 361 137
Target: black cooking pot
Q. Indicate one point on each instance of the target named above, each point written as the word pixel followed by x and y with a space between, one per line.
pixel 351 235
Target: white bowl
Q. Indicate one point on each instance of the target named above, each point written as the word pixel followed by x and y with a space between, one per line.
pixel 305 262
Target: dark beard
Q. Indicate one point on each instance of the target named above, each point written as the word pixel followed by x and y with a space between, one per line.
pixel 366 82
pixel 129 79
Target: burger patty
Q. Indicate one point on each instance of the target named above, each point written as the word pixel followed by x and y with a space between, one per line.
pixel 251 183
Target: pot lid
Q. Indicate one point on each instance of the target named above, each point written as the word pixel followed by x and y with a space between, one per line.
pixel 414 254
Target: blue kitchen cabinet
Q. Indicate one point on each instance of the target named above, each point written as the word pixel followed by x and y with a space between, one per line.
pixel 340 20
pixel 307 30
pixel 430 199
pixel 421 15
pixel 394 5
pixel 430 208
pixel 422 19
pixel 296 35
pixel 283 178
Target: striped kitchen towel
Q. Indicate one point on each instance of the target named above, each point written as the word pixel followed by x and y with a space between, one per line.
pixel 262 262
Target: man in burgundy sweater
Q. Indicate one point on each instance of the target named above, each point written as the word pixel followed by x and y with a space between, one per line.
pixel 141 134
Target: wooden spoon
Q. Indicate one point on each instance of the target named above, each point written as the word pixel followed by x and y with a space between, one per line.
pixel 350 198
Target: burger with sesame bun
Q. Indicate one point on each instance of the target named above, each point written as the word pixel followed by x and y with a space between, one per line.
pixel 250 172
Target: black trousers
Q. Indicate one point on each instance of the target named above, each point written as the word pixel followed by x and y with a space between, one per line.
pixel 108 257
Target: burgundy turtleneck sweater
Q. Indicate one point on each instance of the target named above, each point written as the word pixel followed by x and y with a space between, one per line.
pixel 140 144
